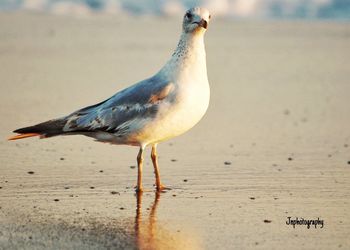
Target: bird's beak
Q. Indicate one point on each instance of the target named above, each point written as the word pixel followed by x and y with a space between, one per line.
pixel 203 24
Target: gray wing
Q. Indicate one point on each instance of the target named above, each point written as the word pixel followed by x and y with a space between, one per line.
pixel 124 111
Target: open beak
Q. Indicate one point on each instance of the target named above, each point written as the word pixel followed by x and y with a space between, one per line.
pixel 203 24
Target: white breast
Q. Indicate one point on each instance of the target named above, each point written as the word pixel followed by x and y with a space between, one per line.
pixel 176 119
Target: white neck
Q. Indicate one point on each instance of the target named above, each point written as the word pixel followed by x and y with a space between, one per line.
pixel 188 58
pixel 190 44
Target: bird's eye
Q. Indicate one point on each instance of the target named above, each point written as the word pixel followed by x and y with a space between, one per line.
pixel 188 15
pixel 209 16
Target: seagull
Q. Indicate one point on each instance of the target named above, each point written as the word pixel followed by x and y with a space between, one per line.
pixel 151 111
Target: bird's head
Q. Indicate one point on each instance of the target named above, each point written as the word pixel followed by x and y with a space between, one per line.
pixel 196 19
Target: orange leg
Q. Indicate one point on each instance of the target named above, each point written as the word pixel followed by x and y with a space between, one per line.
pixel 156 169
pixel 139 170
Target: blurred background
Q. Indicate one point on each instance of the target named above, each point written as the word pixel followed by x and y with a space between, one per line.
pixel 255 9
pixel 275 141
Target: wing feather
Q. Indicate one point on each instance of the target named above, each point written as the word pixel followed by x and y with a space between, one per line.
pixel 127 110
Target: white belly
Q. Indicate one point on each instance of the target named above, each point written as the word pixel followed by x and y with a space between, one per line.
pixel 177 118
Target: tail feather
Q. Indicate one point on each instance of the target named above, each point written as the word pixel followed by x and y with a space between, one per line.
pixel 44 129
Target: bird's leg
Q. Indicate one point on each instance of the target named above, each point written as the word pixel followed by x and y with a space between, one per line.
pixel 154 157
pixel 139 170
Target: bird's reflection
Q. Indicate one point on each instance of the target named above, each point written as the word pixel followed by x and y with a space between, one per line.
pixel 145 231
pixel 150 235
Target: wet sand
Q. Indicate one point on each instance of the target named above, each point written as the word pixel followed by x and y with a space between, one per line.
pixel 274 144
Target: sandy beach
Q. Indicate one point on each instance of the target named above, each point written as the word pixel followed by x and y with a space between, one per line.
pixel 275 142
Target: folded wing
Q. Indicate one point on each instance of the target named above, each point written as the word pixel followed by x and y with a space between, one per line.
pixel 127 110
